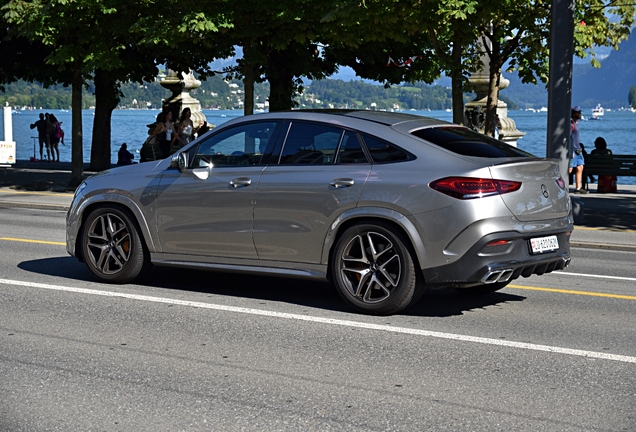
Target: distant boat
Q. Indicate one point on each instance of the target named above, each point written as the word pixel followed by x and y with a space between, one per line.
pixel 598 111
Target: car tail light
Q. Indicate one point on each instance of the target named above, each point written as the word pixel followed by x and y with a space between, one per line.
pixel 469 188
pixel 561 183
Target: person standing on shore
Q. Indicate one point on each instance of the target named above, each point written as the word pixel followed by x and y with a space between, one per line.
pixel 163 131
pixel 41 127
pixel 576 152
pixel 184 132
pixel 55 134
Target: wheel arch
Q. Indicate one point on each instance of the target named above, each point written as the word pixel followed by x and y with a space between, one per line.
pixel 123 203
pixel 370 215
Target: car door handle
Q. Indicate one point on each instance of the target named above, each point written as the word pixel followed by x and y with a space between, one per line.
pixel 342 183
pixel 240 182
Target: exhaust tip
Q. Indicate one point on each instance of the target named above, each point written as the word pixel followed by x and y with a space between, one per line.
pixel 494 276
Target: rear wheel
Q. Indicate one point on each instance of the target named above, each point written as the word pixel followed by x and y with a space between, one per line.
pixel 373 269
pixel 112 246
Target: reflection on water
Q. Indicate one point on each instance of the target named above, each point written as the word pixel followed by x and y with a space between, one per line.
pixel 129 126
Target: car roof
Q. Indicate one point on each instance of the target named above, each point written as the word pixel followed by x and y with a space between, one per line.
pixel 382 117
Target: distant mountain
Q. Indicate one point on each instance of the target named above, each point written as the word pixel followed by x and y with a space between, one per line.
pixel 608 85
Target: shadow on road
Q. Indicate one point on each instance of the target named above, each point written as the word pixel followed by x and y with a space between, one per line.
pixel 321 295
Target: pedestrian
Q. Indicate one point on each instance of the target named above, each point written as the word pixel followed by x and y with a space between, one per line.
pixel 586 178
pixel 55 134
pixel 184 131
pixel 41 127
pixel 124 157
pixel 496 132
pixel 163 132
pixel 576 152
pixel 203 128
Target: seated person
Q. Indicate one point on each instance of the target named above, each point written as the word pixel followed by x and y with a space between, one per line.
pixel 124 157
pixel 601 147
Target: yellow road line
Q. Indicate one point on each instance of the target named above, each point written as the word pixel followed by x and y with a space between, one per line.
pixel 33 241
pixel 563 291
pixel 14 192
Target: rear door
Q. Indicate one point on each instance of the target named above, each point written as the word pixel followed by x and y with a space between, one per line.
pixel 320 173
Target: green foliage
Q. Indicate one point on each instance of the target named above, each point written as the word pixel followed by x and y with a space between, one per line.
pixel 357 94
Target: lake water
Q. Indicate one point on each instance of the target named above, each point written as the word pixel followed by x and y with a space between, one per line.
pixel 129 126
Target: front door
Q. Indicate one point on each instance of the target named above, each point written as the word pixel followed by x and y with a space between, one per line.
pixel 207 209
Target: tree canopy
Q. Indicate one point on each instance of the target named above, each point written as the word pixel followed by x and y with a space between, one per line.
pixel 111 42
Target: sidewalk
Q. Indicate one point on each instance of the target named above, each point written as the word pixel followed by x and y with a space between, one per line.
pixel 609 220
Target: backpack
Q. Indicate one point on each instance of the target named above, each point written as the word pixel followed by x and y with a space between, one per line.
pixel 58 132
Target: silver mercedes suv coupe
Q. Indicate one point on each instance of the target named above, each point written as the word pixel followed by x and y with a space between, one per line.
pixel 383 205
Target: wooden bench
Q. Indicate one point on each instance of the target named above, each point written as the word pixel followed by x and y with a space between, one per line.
pixel 610 165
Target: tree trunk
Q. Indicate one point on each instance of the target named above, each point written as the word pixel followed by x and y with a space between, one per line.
pixel 457 84
pixel 248 86
pixel 494 75
pixel 281 82
pixel 106 100
pixel 77 151
pixel 248 80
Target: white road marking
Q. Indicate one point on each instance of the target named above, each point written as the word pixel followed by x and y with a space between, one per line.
pixel 337 322
pixel 595 276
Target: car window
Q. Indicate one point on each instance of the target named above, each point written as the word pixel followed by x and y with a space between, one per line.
pixel 467 142
pixel 241 145
pixel 310 143
pixel 381 151
pixel 350 150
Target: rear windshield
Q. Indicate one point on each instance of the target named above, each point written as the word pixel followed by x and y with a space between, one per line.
pixel 467 142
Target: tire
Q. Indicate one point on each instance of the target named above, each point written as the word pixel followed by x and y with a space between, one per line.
pixel 112 246
pixel 483 289
pixel 373 269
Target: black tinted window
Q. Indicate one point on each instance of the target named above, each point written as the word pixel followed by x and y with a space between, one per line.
pixel 382 151
pixel 467 142
pixel 350 150
pixel 310 143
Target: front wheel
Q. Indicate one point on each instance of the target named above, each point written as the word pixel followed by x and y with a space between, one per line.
pixel 373 269
pixel 112 246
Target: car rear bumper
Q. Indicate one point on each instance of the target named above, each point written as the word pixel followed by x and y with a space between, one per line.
pixel 484 265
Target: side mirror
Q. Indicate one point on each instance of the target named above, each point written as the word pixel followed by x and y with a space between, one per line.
pixel 179 161
pixel 182 160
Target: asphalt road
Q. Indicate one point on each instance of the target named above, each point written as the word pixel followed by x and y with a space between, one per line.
pixel 208 351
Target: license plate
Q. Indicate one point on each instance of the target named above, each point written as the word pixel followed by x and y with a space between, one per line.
pixel 544 244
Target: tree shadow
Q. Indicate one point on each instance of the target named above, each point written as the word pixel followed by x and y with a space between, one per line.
pixel 611 212
pixel 308 293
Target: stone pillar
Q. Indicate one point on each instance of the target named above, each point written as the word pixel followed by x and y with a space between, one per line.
pixel 180 99
pixel 475 111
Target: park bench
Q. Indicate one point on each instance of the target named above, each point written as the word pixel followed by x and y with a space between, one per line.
pixel 607 168
pixel 610 165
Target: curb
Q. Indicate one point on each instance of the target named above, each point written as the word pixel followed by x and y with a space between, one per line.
pixel 603 246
